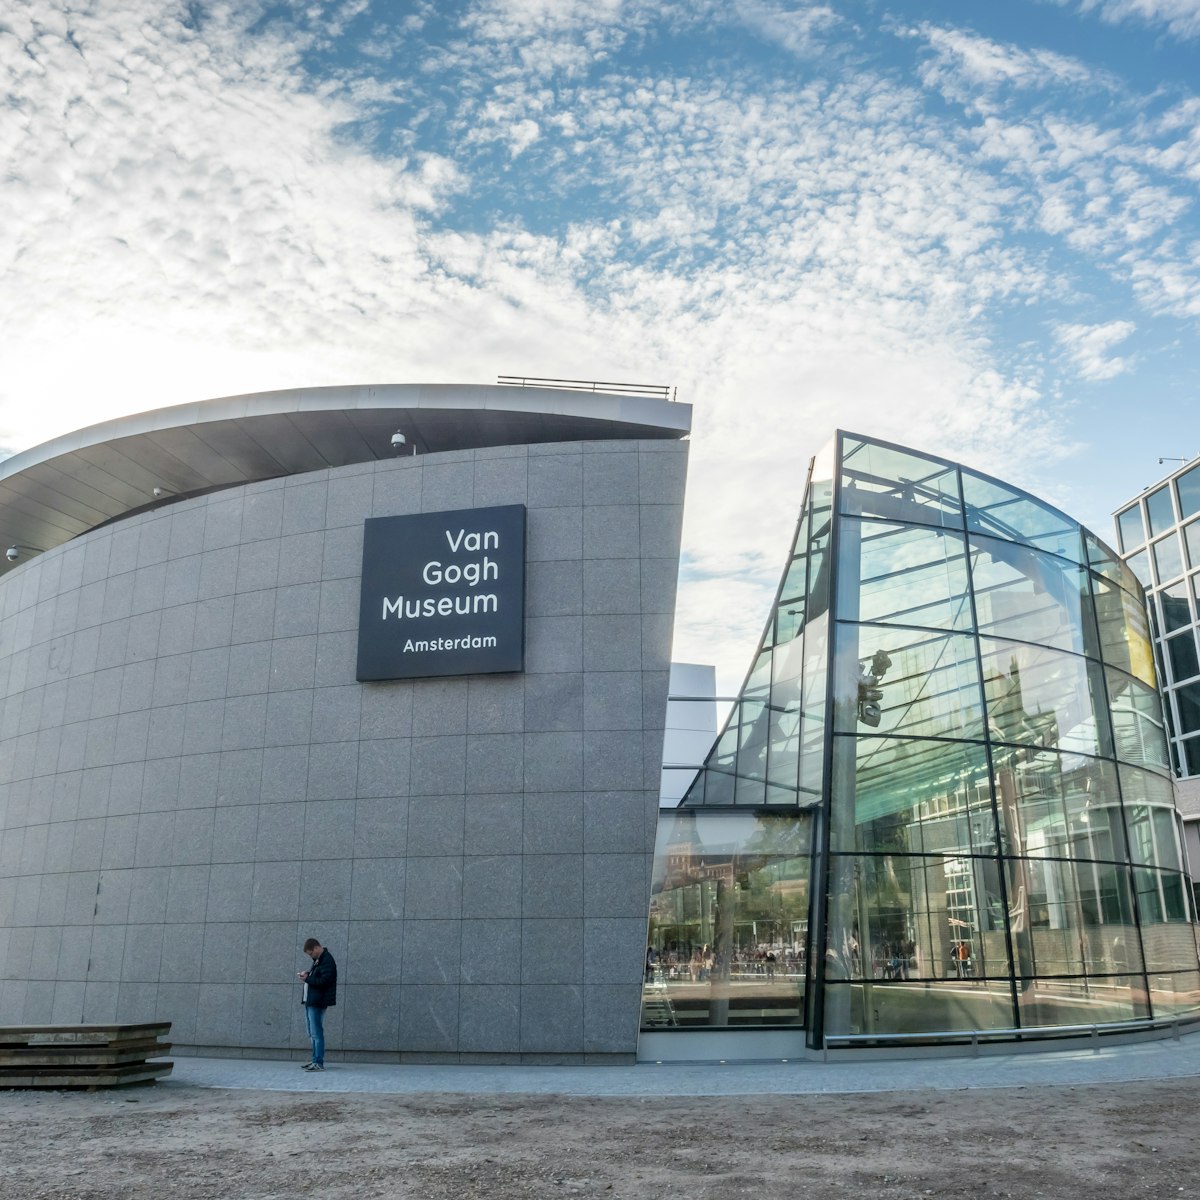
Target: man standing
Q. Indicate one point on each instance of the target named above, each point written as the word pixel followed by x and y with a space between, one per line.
pixel 320 993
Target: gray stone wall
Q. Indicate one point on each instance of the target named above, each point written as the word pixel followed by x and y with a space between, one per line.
pixel 192 781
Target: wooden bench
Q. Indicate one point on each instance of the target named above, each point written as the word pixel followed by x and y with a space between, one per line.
pixel 62 1056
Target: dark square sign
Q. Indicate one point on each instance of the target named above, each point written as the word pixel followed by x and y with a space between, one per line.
pixel 443 594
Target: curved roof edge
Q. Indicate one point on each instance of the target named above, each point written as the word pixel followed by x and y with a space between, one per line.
pixel 66 486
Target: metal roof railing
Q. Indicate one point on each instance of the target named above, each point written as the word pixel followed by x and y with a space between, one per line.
pixel 660 391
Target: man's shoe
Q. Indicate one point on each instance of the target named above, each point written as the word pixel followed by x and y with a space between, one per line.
pixel 310 1067
pixel 317 1067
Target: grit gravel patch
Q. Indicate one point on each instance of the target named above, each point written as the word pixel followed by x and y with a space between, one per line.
pixel 187 1143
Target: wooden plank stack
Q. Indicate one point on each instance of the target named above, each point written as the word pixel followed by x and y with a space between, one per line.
pixel 91 1056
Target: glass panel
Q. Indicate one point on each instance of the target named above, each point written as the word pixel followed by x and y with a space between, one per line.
pixel 1175 993
pixel 905 681
pixel 1168 936
pixel 1191 536
pixel 1159 511
pixel 1087 1001
pixel 1032 597
pixel 1014 516
pixel 1058 805
pixel 1176 611
pixel 1181 653
pixel 1150 814
pixel 1106 563
pixel 1138 724
pixel 1042 697
pixel 878 481
pixel 941 915
pixel 1129 525
pixel 1187 705
pixel 728 921
pixel 1188 486
pixel 1124 633
pixel 903 574
pixel 907 795
pixel 916 1008
pixel 1168 559
pixel 1072 918
pixel 1139 564
pixel 1190 751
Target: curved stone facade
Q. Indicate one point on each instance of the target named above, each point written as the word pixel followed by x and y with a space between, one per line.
pixel 192 781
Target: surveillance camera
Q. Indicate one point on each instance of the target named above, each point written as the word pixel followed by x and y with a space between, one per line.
pixel 398 441
pixel 12 554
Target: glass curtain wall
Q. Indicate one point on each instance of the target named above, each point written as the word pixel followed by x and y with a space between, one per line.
pixel 961 720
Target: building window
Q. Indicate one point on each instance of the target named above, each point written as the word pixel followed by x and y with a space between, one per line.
pixel 1168 561
pixel 1159 511
pixel 1139 564
pixel 1191 534
pixel 1129 525
pixel 1187 702
pixel 1176 612
pixel 1181 651
pixel 1189 492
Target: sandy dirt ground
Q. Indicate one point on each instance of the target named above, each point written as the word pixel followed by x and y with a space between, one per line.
pixel 182 1143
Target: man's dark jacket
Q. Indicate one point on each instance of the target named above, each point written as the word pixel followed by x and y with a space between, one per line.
pixel 322 982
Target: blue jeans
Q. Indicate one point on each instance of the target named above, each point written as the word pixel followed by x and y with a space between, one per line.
pixel 316 1031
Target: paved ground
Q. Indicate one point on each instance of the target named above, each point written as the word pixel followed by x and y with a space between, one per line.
pixel 1169 1059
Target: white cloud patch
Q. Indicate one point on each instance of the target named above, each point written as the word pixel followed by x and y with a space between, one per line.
pixel 1089 348
pixel 186 217
pixel 969 69
pixel 1180 17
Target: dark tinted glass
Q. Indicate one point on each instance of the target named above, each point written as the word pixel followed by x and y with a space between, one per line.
pixel 1181 653
pixel 1176 611
pixel 1187 704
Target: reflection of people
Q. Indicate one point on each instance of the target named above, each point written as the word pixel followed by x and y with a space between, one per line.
pixel 320 993
pixel 651 961
pixel 962 959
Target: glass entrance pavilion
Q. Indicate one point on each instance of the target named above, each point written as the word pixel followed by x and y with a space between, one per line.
pixel 941 806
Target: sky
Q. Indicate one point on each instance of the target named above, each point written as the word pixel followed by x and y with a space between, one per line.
pixel 967 226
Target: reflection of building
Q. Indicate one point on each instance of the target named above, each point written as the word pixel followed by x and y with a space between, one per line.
pixel 1159 536
pixel 954 700
pixel 691 727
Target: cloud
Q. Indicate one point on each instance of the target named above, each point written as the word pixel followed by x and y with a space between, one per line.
pixel 970 69
pixel 200 209
pixel 1088 346
pixel 1179 17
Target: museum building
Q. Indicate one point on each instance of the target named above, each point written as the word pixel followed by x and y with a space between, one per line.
pixel 263 677
pixel 941 810
pixel 389 666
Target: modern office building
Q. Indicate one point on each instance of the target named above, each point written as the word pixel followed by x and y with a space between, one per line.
pixel 1159 536
pixel 263 677
pixel 942 807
